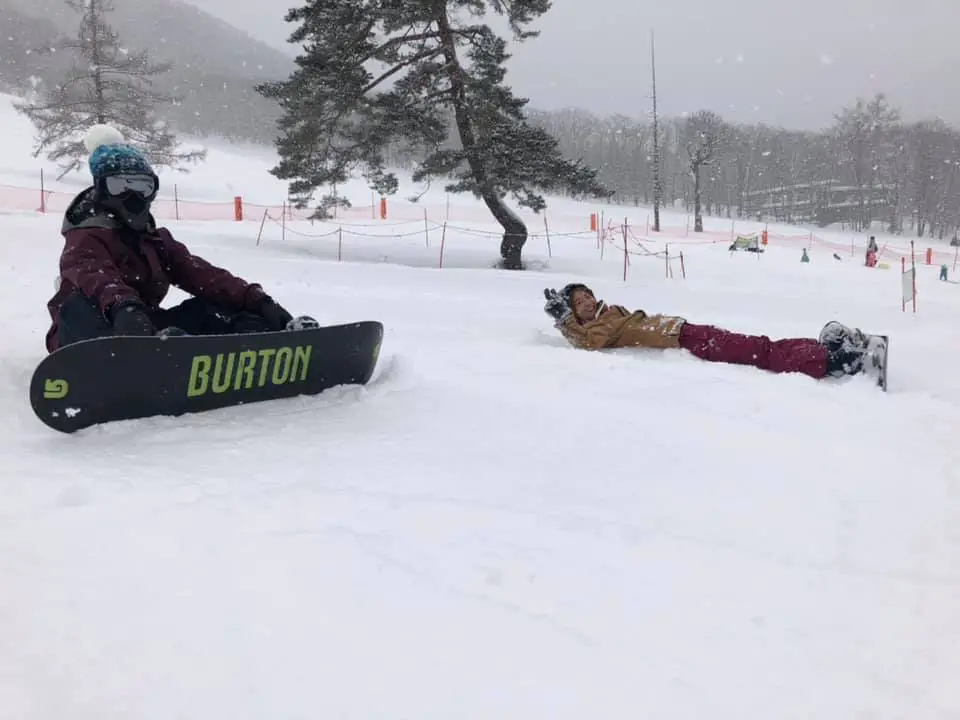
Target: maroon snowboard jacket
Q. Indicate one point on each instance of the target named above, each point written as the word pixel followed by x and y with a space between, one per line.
pixel 109 263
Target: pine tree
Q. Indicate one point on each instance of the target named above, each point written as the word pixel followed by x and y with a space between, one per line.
pixel 107 83
pixel 341 115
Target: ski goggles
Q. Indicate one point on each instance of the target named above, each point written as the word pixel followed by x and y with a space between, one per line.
pixel 145 185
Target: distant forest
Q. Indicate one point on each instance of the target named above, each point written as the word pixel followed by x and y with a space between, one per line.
pixel 870 169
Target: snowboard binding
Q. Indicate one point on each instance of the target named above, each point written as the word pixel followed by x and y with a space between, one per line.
pixel 303 322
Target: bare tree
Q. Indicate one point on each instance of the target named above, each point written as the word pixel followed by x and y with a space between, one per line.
pixel 863 131
pixel 703 133
pixel 657 184
pixel 106 83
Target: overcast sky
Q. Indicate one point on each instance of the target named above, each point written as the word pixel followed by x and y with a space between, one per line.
pixel 787 62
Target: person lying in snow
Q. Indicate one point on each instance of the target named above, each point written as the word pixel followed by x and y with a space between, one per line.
pixel 117 265
pixel 590 324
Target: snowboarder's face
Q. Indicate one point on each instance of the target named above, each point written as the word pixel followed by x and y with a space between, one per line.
pixel 584 306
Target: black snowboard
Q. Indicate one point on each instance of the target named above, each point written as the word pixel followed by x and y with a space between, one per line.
pixel 122 378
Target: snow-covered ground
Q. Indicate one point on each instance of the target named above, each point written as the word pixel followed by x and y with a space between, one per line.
pixel 498 525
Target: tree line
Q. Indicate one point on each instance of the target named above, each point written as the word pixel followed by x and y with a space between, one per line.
pixel 869 168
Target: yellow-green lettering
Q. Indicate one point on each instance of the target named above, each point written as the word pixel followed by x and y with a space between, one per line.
pixel 301 362
pixel 248 360
pixel 265 356
pixel 221 374
pixel 199 375
pixel 281 368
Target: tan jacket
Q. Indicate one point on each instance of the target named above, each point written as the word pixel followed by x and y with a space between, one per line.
pixel 617 327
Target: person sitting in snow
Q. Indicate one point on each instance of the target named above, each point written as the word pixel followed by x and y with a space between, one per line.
pixel 590 324
pixel 117 266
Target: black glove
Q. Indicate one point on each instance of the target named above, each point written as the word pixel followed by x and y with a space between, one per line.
pixel 275 315
pixel 131 319
pixel 557 307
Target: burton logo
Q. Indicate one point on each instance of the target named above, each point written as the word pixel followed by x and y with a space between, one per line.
pixel 245 370
pixel 55 389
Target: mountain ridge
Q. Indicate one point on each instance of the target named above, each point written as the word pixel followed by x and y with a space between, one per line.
pixel 215 66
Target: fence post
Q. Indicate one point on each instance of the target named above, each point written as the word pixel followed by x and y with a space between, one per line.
pixel 546 229
pixel 43 194
pixel 263 222
pixel 443 242
pixel 238 208
pixel 383 208
pixel 913 273
pixel 626 233
pixel 903 271
pixel 626 255
pixel 426 227
pixel 176 202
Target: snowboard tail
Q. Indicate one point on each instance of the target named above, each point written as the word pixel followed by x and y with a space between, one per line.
pixel 124 378
pixel 880 361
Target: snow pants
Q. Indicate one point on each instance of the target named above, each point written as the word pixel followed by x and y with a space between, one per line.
pixel 81 319
pixel 791 355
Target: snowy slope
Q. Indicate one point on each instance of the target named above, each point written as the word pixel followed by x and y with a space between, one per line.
pixel 498 526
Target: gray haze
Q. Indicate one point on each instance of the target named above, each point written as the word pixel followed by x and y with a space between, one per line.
pixel 786 62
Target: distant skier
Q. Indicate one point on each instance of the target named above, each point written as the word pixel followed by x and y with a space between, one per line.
pixel 873 252
pixel 117 265
pixel 590 324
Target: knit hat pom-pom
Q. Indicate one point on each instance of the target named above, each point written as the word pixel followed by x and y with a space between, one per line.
pixel 100 135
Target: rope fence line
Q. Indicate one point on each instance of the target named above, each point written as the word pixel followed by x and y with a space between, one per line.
pixel 377 215
pixel 342 230
pixel 622 239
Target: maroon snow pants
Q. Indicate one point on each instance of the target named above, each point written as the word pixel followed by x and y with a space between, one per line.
pixel 792 355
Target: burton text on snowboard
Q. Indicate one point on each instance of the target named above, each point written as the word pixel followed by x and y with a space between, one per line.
pixel 123 378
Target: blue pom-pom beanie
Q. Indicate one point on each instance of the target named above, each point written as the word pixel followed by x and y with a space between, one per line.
pixel 118 159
